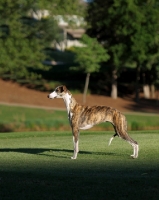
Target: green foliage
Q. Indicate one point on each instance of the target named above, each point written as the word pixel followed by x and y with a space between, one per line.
pixel 90 55
pixel 128 30
pixel 18 49
pixel 69 7
pixel 49 31
pixel 22 39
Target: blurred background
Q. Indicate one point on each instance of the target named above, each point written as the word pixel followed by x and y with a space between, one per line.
pixel 105 52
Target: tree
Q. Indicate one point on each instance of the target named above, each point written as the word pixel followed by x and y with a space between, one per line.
pixel 89 58
pixel 22 39
pixel 128 29
pixel 63 7
pixel 144 52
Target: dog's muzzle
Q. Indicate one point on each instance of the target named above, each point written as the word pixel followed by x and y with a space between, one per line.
pixel 51 97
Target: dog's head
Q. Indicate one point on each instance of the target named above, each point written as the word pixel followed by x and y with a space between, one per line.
pixel 59 92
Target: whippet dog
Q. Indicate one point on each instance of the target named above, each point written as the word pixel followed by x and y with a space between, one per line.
pixel 84 117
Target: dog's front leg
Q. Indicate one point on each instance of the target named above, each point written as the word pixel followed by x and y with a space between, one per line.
pixel 75 143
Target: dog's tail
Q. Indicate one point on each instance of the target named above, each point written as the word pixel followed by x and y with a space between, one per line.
pixel 121 129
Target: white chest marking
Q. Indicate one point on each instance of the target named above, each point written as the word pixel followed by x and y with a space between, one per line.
pixel 67 100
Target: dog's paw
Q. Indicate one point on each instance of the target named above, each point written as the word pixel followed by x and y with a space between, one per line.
pixel 133 156
pixel 73 158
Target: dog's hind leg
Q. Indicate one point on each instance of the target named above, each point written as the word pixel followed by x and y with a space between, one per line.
pixel 132 142
pixel 116 134
pixel 120 124
pixel 112 138
pixel 135 149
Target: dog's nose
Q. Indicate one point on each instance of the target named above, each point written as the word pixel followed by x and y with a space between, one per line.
pixel 48 96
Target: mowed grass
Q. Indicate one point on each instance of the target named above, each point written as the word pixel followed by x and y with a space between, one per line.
pixel 29 119
pixel 25 119
pixel 37 165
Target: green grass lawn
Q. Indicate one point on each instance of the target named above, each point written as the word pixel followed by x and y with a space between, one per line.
pixel 29 119
pixel 37 165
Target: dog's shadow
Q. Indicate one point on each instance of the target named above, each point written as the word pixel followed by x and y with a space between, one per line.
pixel 50 152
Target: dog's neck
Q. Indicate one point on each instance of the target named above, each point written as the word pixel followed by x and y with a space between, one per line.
pixel 70 102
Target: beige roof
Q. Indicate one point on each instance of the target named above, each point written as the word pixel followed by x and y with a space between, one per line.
pixel 76 33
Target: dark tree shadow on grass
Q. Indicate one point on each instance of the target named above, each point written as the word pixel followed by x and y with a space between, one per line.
pixel 42 151
pixel 144 105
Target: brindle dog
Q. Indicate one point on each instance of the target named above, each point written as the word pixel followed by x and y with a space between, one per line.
pixel 85 117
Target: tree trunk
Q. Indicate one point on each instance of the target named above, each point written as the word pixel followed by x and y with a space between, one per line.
pixel 114 91
pixel 157 101
pixel 137 83
pixel 146 89
pixel 86 87
pixel 152 91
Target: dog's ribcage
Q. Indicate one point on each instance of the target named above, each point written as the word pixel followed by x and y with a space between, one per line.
pixel 86 117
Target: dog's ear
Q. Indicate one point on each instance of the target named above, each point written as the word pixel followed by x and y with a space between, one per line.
pixel 64 88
